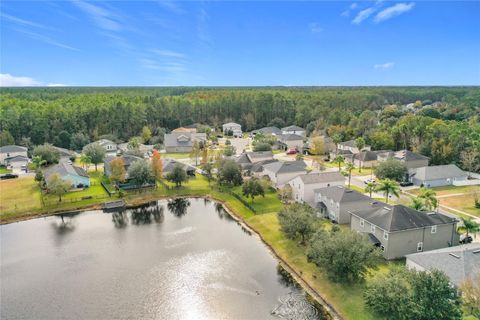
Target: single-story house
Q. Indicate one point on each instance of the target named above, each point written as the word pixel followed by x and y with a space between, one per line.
pixel 170 164
pixel 17 163
pixel 437 176
pixel 294 130
pixel 283 171
pixel 235 128
pixel 257 168
pixel 182 141
pixel 347 154
pixel 303 186
pixel 365 159
pixel 290 141
pixel 12 151
pixel 459 263
pixel 108 145
pixel 335 203
pixel 411 159
pixel 128 159
pixel 401 230
pixel 247 159
pixel 267 131
pixel 77 176
pixel 351 145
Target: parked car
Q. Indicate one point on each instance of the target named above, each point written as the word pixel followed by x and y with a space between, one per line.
pixel 369 180
pixel 9 176
pixel 406 184
pixel 465 239
pixel 291 151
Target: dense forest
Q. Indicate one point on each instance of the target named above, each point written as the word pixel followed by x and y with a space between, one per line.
pixel 440 122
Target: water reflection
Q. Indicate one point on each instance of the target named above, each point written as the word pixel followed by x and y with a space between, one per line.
pixel 120 219
pixel 65 223
pixel 146 214
pixel 222 213
pixel 178 207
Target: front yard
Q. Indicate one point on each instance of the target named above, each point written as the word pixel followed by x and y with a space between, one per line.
pixel 19 197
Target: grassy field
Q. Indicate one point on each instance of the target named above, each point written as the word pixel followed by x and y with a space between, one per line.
pixel 269 203
pixel 19 196
pixel 464 203
pixel 364 172
pixel 180 155
pixel 448 190
pixel 4 170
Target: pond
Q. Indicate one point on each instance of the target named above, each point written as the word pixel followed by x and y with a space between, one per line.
pixel 177 259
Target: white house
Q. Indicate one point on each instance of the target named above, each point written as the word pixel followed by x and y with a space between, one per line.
pixel 233 127
pixel 437 176
pixel 294 130
pixel 351 146
pixel 303 186
pixel 281 172
pixel 11 152
pixel 109 146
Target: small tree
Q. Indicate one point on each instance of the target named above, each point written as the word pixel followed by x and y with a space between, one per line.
pixel 230 173
pixel 229 151
pixel 208 169
pixel 38 162
pixel 252 188
pixel 39 177
pixel 262 146
pixel 470 160
pixel 336 138
pixel 470 226
pixel 134 143
pixel 471 295
pixel 339 160
pixel 297 220
pixel 47 153
pixel 346 256
pixel 157 165
pixel 388 187
pixel 85 160
pixel 429 198
pixel 177 176
pixel 146 134
pixel 371 187
pixel 117 171
pixel 418 204
pixel 140 173
pixel 285 193
pixel 58 186
pixel 391 169
pixel 348 169
pixel 96 153
pixel 195 153
pixel 317 146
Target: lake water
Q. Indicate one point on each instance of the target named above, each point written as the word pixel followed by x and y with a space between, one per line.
pixel 183 259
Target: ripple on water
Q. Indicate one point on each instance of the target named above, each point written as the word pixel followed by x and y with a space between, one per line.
pixel 295 306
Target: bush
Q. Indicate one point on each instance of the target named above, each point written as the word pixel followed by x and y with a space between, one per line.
pixel 296 221
pixel 262 146
pixel 391 169
pixel 47 152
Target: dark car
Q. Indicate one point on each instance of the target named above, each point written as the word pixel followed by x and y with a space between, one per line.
pixel 406 184
pixel 465 239
pixel 9 176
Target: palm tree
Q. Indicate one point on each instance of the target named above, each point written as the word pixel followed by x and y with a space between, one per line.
pixel 339 159
pixel 38 161
pixel 360 144
pixel 429 197
pixel 388 187
pixel 336 138
pixel 348 168
pixel 470 226
pixel 371 186
pixel 418 204
pixel 85 160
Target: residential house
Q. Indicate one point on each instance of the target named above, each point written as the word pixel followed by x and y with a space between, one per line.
pixel 365 159
pixel 185 129
pixel 267 131
pixel 77 176
pixel 281 172
pixel 437 176
pixel 257 169
pixel 294 130
pixel 411 159
pixel 401 230
pixel 128 159
pixel 183 141
pixel 328 145
pixel 247 159
pixel 459 263
pixel 351 146
pixel 233 127
pixel 65 154
pixel 290 141
pixel 10 152
pixel 143 148
pixel 170 164
pixel 336 202
pixel 346 154
pixel 303 186
pixel 109 146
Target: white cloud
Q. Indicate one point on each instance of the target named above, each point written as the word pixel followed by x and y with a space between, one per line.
pixel 393 11
pixel 23 21
pixel 173 6
pixel 362 15
pixel 169 53
pixel 103 18
pixel 384 66
pixel 315 27
pixel 7 80
pixel 47 40
pixel 353 6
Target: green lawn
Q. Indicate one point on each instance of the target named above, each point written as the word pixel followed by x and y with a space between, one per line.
pixel 363 172
pixel 18 197
pixel 180 155
pixel 269 203
pixel 442 191
pixel 4 170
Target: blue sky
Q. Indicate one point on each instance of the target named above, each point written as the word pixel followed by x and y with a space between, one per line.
pixel 240 43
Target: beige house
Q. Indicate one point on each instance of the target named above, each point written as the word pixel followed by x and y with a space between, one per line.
pixel 365 159
pixel 351 146
pixel 411 159
pixel 335 203
pixel 400 230
pixel 10 153
pixel 183 141
pixel 281 172
pixel 247 159
pixel 290 141
pixel 303 186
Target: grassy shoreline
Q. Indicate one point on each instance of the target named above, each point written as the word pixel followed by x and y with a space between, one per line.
pixel 343 301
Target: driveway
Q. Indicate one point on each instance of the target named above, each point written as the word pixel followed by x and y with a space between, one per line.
pixel 238 143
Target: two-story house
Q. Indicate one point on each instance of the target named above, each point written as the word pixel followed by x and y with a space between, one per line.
pixel 234 128
pixel 281 172
pixel 303 186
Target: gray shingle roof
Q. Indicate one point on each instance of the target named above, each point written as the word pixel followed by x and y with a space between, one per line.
pixel 285 167
pixel 458 263
pixel 366 155
pixel 438 172
pixel 17 158
pixel 342 194
pixel 349 143
pixel 269 130
pixel 291 137
pixel 400 217
pixel 128 159
pixel 183 139
pixel 319 177
pixel 63 169
pixel 231 124
pixel 12 148
pixel 259 154
pixel 407 155
pixel 258 167
pixel 293 128
pixel 169 165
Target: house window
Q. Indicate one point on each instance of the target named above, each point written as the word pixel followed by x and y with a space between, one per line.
pixel 385 235
pixel 434 229
pixel 362 223
pixel 372 228
pixel 419 246
pixel 382 248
